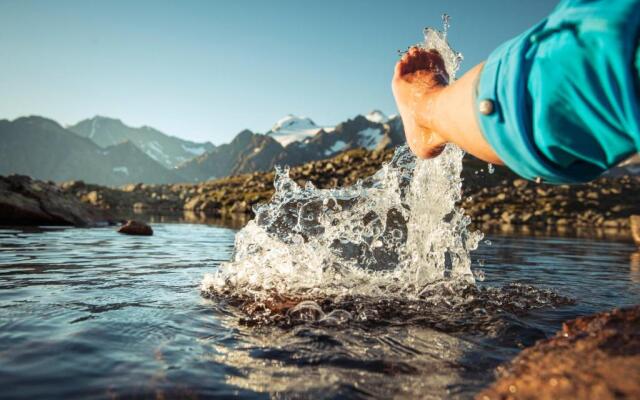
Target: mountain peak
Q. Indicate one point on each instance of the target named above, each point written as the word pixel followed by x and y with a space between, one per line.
pixel 292 128
pixel 293 122
pixel 377 116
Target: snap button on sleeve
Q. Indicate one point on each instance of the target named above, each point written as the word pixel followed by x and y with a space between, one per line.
pixel 486 107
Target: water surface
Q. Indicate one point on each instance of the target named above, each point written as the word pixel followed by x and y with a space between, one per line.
pixel 89 313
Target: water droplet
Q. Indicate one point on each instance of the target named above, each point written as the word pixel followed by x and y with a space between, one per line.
pixel 445 24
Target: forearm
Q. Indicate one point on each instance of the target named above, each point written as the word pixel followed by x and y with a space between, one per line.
pixel 452 114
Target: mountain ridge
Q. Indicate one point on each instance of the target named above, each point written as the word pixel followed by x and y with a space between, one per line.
pixel 168 150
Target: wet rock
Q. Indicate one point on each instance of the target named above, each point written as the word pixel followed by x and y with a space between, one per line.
pixel 136 228
pixel 634 223
pixel 595 357
pixel 24 201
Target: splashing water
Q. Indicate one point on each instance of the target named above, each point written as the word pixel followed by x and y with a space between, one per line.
pixel 392 234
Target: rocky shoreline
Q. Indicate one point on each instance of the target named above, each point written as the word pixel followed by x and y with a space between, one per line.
pixel 494 201
pixel 491 199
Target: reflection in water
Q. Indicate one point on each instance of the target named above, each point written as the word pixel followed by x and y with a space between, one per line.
pixel 89 313
pixel 350 362
pixel 233 221
pixel 583 232
pixel 634 267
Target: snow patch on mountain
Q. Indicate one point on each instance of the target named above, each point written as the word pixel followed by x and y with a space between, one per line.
pixel 377 116
pixel 122 170
pixel 337 147
pixel 196 151
pixel 292 128
pixel 370 137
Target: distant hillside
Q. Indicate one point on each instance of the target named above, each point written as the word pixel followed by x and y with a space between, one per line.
pixel 43 149
pixel 247 152
pixel 169 151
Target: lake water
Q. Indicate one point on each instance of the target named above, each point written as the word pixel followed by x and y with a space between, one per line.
pixel 89 313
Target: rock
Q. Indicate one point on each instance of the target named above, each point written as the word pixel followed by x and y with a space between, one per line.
pixel 520 183
pixel 24 201
pixel 240 207
pixel 136 228
pixel 211 207
pixel 634 223
pixel 93 198
pixel 140 206
pixel 506 217
pixel 193 204
pixel 595 357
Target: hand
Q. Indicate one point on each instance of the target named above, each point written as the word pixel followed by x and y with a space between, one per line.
pixel 417 79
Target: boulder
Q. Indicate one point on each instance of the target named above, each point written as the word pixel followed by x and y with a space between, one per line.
pixel 25 201
pixel 634 223
pixel 136 228
pixel 594 357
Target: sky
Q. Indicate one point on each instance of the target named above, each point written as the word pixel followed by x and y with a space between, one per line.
pixel 205 70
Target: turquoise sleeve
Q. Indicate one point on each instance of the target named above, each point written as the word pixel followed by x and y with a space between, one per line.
pixel 563 96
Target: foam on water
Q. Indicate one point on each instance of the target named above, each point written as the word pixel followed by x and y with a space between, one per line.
pixel 393 234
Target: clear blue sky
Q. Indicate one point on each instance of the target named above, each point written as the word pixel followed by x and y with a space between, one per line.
pixel 204 70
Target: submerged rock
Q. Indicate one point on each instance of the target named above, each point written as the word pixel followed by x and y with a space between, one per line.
pixel 635 228
pixel 595 357
pixel 25 201
pixel 136 228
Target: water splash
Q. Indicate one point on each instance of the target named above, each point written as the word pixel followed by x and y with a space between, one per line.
pixel 392 234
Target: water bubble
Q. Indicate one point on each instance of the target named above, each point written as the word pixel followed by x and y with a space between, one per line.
pixel 337 317
pixel 306 311
pixel 479 275
pixel 487 242
pixel 490 168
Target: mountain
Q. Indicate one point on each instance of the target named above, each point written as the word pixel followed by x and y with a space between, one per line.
pixel 43 149
pixel 294 129
pixel 169 151
pixel 292 141
pixel 377 116
pixel 359 132
pixel 247 152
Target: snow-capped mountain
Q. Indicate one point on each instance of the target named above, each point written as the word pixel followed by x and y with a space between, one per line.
pixel 169 151
pixel 292 128
pixel 293 141
pixel 377 116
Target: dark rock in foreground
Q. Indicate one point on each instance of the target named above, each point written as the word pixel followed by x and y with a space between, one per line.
pixel 24 201
pixel 136 228
pixel 595 357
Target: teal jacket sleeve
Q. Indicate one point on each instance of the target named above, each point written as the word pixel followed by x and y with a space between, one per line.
pixel 564 96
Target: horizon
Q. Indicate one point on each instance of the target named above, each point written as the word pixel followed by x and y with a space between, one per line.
pixel 189 70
